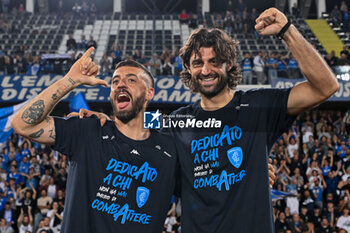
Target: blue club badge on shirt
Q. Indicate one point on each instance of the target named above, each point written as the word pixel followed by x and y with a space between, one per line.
pixel 142 195
pixel 235 155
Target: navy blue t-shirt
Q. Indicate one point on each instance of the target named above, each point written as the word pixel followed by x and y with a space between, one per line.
pixel 225 184
pixel 115 184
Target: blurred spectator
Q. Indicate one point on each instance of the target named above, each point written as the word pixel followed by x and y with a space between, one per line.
pixel 143 60
pixel 293 67
pixel 280 223
pixel 230 8
pixel 245 21
pixel 43 203
pixel 177 63
pixel 34 67
pixel 343 60
pixel 193 22
pixel 295 10
pixel 166 53
pixel 281 66
pixel 21 65
pixel 344 219
pixel 228 23
pixel 167 67
pixel 5 227
pixel 336 15
pixel 115 61
pixel 118 52
pixel 155 64
pixel 345 50
pixel 21 8
pixel 9 65
pixel 183 17
pixel 82 43
pixel 76 8
pixel 91 43
pixel 93 9
pixel 219 22
pixel 5 6
pixel 55 215
pixel 331 59
pixel 259 65
pixel 71 44
pixel 344 7
pixel 8 215
pixel 60 7
pixel 105 65
pixel 241 6
pixel 170 222
pixel 44 226
pixel 297 224
pixel 84 8
pixel 137 55
pixel 247 67
pixel 271 65
pixel 25 222
pixel 52 188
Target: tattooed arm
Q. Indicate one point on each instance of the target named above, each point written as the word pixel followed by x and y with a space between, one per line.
pixel 33 122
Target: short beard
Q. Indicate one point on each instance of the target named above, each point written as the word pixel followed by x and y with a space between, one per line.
pixel 137 106
pixel 222 83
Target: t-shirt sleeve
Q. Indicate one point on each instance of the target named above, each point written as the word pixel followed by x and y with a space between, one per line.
pixel 72 133
pixel 278 121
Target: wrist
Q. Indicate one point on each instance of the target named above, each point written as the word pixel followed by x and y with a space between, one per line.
pixel 71 81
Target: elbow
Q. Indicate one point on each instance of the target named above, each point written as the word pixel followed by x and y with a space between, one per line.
pixel 330 88
pixel 17 126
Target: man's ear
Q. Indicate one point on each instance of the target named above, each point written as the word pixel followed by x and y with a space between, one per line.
pixel 188 68
pixel 230 65
pixel 149 94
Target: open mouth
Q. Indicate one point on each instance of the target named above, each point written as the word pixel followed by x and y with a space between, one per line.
pixel 123 100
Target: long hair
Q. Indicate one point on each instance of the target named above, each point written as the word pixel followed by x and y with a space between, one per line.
pixel 224 47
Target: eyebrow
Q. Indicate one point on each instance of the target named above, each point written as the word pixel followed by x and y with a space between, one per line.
pixel 127 75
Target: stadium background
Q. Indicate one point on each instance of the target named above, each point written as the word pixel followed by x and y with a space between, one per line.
pixel 34 47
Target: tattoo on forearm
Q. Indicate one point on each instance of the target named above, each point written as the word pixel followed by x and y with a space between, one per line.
pixel 52 133
pixel 33 114
pixel 54 96
pixel 37 134
pixel 71 81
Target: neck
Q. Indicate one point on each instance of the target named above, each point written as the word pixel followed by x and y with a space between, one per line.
pixel 218 101
pixel 133 129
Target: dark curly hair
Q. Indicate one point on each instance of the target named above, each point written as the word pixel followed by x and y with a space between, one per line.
pixel 225 50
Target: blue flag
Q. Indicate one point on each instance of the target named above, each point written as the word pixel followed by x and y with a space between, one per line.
pixel 6 115
pixel 78 102
pixel 277 195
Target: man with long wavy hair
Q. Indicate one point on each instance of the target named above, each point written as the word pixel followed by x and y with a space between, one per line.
pixel 224 170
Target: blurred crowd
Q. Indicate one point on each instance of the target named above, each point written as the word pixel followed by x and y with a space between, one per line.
pixel 312 163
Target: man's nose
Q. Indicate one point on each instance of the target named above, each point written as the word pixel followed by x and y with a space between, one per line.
pixel 205 69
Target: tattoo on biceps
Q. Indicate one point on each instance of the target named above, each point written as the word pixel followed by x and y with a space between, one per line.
pixel 33 114
pixel 52 133
pixel 37 134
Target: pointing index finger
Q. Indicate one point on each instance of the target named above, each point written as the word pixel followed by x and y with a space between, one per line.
pixel 88 53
